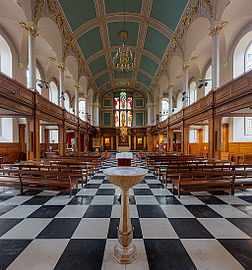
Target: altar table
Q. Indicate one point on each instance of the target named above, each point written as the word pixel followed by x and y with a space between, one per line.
pixel 124 159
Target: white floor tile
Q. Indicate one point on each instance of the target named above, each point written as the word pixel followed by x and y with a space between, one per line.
pixel 109 263
pixel 145 186
pixel 41 254
pixel 87 191
pixel 133 211
pixel 101 200
pixel 141 263
pixel 161 191
pixel 107 186
pixel 48 193
pixel 116 211
pixel 21 211
pixel 16 200
pixel 142 199
pixel 156 228
pixel 232 199
pixel 29 228
pixel 189 200
pixel 222 228
pixel 228 211
pixel 176 211
pixel 210 254
pixel 72 211
pixel 92 228
pixel 59 200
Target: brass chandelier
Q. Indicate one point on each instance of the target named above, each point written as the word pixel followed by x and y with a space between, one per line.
pixel 123 60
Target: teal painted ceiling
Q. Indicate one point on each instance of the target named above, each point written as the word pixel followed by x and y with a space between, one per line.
pixel 96 24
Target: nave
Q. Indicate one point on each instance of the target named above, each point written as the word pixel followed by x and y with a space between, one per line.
pixel 50 230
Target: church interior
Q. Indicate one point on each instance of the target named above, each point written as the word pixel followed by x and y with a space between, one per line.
pixel 125 134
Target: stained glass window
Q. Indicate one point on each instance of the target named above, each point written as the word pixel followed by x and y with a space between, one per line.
pixel 123 110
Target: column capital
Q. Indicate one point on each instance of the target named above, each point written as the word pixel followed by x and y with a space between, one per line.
pixel 170 86
pixel 61 67
pixel 216 28
pixel 186 67
pixel 30 27
pixel 77 86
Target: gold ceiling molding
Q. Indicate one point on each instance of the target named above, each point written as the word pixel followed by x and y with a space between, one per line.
pixel 30 28
pixel 195 58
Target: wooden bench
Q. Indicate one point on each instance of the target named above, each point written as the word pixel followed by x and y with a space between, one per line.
pixel 243 177
pixel 52 179
pixel 9 175
pixel 204 181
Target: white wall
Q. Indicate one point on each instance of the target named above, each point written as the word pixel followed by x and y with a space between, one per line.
pixel 9 130
pixel 193 137
pixel 238 131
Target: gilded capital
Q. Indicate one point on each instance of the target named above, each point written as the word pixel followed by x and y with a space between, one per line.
pixel 77 86
pixel 186 67
pixel 216 28
pixel 61 68
pixel 30 28
pixel 170 87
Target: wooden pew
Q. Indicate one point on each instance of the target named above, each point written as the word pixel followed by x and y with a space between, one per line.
pixel 204 181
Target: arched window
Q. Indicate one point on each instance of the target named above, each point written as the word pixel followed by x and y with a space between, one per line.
pixel 53 93
pixel 123 110
pixel 208 83
pixel 165 110
pixel 248 58
pixel 66 102
pixel 82 110
pixel 192 93
pixel 5 57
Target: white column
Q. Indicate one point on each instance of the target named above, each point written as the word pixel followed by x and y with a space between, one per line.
pixel 215 61
pixel 185 84
pixel 61 84
pixel 149 115
pixel 214 33
pixel 30 27
pixel 155 113
pixel 170 100
pixel 76 99
pixel 160 108
pixel 96 114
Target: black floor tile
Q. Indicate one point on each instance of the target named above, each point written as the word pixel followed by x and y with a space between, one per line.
pixel 162 199
pixel 150 177
pixel 30 192
pixel 38 200
pixel 202 211
pixel 247 209
pixel 98 211
pixel 210 200
pixel 4 198
pixel 189 228
pixel 142 191
pixel 106 181
pixel 240 249
pixel 218 192
pixel 47 211
pixel 156 186
pixel 98 177
pixel 5 208
pixel 9 250
pixel 92 185
pixel 246 198
pixel 82 255
pixel 244 224
pixel 150 211
pixel 60 228
pixel 114 224
pixel 167 254
pixel 81 200
pixel 8 223
pixel 105 191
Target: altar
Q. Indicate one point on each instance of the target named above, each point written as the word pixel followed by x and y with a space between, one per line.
pixel 124 159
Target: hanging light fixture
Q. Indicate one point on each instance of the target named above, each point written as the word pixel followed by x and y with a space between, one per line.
pixel 123 60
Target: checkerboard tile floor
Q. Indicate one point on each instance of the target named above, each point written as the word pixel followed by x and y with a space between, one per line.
pixel 49 230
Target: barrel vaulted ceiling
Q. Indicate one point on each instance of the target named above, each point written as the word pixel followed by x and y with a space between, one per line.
pixel 150 25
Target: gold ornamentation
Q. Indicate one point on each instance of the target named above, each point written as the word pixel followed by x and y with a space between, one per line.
pixel 77 86
pixel 32 31
pixel 61 68
pixel 195 58
pixel 179 77
pixel 52 59
pixel 186 67
pixel 216 28
pixel 67 77
pixel 170 87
